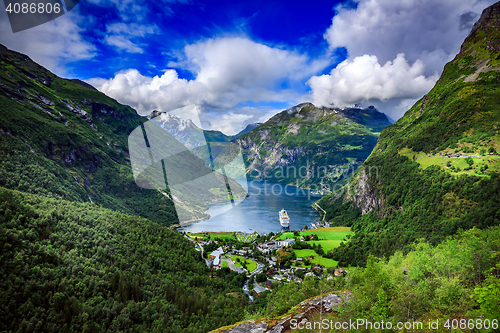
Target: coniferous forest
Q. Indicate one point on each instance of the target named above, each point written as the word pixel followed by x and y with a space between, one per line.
pixel 76 267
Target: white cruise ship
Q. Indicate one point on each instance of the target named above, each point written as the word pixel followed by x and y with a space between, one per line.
pixel 284 219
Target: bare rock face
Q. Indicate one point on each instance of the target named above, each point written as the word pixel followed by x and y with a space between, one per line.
pixel 364 196
pixel 305 311
pixel 250 327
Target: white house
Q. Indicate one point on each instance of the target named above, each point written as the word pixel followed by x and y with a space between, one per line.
pixel 216 256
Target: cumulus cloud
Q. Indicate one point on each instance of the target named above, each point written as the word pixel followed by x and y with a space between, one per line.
pixel 232 121
pixel 246 62
pixel 53 44
pixel 376 34
pixel 226 121
pixel 227 71
pixel 364 79
pixel 421 29
pixel 143 93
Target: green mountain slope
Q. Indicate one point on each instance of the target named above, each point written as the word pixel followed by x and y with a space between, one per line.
pixel 435 170
pixel 64 139
pixel 307 146
pixel 75 267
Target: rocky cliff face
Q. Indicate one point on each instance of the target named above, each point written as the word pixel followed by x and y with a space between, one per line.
pixel 364 196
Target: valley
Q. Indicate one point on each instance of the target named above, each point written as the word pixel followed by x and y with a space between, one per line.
pixel 122 219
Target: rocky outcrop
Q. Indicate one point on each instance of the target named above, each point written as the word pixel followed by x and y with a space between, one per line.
pixel 302 314
pixel 276 154
pixel 363 195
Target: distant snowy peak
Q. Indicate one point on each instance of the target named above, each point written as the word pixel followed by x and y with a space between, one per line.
pixel 165 117
pixel 184 130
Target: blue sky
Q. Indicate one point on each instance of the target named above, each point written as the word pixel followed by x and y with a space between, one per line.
pixel 288 25
pixel 239 62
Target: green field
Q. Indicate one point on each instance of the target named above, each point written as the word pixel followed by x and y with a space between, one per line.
pixel 427 160
pixel 203 235
pixel 330 238
pixel 251 264
pixel 224 264
pixel 316 259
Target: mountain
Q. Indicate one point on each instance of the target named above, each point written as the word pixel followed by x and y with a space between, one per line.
pixel 248 129
pixel 63 139
pixel 190 135
pixel 436 170
pixel 185 131
pixel 307 146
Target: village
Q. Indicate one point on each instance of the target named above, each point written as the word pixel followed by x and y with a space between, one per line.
pixel 269 260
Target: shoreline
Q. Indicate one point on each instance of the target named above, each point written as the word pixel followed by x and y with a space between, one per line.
pixel 182 224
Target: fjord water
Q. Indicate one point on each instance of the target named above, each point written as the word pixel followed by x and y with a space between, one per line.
pixel 259 212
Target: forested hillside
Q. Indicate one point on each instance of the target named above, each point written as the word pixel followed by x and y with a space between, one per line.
pixel 435 171
pixel 75 267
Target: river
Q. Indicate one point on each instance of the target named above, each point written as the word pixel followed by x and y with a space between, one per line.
pixel 259 212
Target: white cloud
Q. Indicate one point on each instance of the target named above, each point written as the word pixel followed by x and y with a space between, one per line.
pixel 227 71
pixel 122 43
pixel 364 79
pixel 53 44
pixel 228 122
pixel 143 93
pixel 132 29
pixel 421 29
pixel 428 32
pixel 120 35
pixel 232 121
pixel 246 63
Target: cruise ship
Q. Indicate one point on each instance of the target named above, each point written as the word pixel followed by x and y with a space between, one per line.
pixel 284 219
